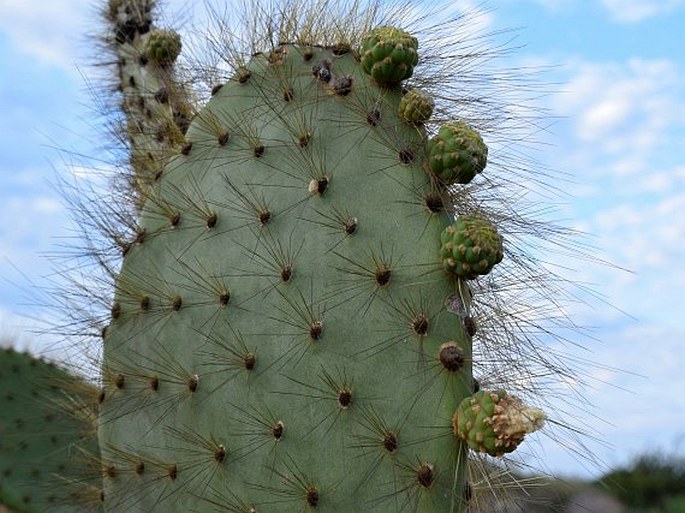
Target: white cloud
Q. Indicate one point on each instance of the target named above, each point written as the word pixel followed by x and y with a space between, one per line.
pixel 620 11
pixel 633 11
pixel 50 32
pixel 556 5
pixel 623 110
pixel 621 142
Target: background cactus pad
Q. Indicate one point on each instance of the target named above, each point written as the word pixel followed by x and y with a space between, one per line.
pixel 48 454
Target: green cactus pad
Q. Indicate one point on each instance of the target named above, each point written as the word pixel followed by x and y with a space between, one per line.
pixel 163 46
pixel 471 247
pixel 494 422
pixel 268 327
pixel 416 107
pixel 46 437
pixel 456 154
pixel 389 55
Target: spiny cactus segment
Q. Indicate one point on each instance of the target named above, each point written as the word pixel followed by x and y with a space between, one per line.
pixel 389 55
pixel 471 247
pixel 48 455
pixel 457 153
pixel 278 335
pixel 494 422
pixel 156 103
pixel 163 46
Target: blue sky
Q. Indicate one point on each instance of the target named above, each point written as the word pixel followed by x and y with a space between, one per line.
pixel 617 96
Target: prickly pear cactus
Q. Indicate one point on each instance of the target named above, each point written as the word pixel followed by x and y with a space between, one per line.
pixel 156 104
pixel 284 335
pixel 47 438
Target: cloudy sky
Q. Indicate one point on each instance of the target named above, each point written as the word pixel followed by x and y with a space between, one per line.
pixel 617 76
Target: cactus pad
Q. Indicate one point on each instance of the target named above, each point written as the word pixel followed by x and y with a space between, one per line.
pixel 46 437
pixel 457 153
pixel 495 423
pixel 389 55
pixel 163 46
pixel 471 247
pixel 416 107
pixel 267 326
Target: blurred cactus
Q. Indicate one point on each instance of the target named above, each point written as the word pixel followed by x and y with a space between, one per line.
pixel 156 104
pixel 47 437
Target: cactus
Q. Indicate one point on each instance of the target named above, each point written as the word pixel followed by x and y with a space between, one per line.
pixel 311 273
pixel 495 422
pixel 156 104
pixel 47 438
pixel 283 333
